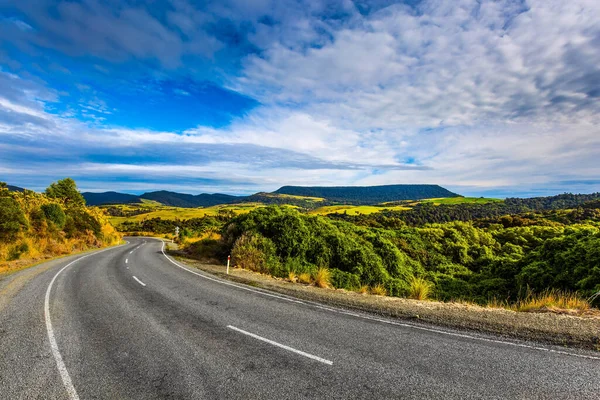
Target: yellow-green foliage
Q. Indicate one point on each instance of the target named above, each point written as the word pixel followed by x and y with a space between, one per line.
pixel 305 278
pixel 47 227
pixel 379 290
pixel 462 200
pixel 419 288
pixel 155 210
pixel 364 289
pixel 552 300
pixel 292 276
pixel 322 278
pixel 354 210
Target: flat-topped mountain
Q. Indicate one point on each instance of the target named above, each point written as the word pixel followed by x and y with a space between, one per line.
pixel 369 194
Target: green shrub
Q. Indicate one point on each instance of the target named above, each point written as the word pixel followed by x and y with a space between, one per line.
pixel 209 249
pixel 55 214
pixel 12 219
pixel 344 280
pixel 254 252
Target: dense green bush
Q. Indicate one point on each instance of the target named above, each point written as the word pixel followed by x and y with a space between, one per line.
pixel 461 260
pixel 12 219
pixel 54 213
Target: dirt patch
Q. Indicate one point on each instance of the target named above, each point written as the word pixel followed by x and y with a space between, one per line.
pixel 581 331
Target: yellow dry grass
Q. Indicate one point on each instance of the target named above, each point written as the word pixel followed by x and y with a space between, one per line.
pixel 305 278
pixel 322 278
pixel 379 290
pixel 292 276
pixel 552 300
pixel 419 288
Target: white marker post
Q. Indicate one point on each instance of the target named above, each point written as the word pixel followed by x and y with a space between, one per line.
pixel 228 260
pixel 176 232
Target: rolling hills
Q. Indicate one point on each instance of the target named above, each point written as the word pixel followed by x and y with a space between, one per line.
pixel 301 196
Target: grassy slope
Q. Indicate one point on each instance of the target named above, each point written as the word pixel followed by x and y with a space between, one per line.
pixel 164 212
pixel 156 210
pixel 353 210
pixel 462 200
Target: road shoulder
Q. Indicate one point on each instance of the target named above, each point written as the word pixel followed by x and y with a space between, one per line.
pixel 548 328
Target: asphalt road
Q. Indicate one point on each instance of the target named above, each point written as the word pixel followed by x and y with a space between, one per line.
pixel 128 323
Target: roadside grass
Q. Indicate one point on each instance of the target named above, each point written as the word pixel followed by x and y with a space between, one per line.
pixel 379 290
pixel 419 288
pixel 305 278
pixel 292 277
pixel 364 289
pixel 322 278
pixel 551 300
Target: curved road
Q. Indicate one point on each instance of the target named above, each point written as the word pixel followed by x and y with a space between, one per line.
pixel 130 323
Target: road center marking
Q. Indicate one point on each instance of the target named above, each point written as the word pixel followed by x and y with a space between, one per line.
pixel 126 260
pixel 140 282
pixel 283 346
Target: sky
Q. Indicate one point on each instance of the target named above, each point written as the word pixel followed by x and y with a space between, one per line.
pixel 486 98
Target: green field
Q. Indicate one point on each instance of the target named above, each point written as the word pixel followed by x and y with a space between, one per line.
pixel 354 210
pixel 462 200
pixel 155 210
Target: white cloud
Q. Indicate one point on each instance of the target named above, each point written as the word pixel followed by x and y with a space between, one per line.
pixel 472 94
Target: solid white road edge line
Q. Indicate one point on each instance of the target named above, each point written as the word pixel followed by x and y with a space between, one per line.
pixel 283 346
pixel 62 369
pixel 138 281
pixel 389 322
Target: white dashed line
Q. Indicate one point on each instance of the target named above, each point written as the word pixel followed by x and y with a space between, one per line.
pixel 283 346
pixel 138 281
pixel 385 321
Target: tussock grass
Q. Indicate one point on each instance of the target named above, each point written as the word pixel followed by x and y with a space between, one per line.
pixel 419 288
pixel 364 289
pixel 305 278
pixel 322 278
pixel 551 300
pixel 292 276
pixel 379 290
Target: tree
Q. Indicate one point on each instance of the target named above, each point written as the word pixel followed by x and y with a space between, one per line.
pixel 12 219
pixel 66 190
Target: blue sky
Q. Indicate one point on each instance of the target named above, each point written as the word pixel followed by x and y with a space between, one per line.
pixel 494 98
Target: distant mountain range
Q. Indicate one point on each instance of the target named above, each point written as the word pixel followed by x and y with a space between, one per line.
pixel 15 188
pixel 331 194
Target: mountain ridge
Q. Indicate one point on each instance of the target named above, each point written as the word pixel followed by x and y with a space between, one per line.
pixel 333 194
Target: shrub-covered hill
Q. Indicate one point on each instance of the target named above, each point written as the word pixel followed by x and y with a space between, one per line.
pixel 35 226
pixel 460 260
pixel 98 199
pixel 167 198
pixel 369 194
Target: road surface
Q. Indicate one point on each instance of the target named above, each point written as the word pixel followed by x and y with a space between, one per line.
pixel 130 323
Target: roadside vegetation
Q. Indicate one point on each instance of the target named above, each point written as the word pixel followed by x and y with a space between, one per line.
pixel 34 226
pixel 542 261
